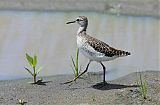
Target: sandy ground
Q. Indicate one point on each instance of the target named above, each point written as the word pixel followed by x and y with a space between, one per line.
pixel 87 91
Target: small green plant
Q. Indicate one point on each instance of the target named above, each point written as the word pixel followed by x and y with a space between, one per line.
pixel 21 102
pixel 142 86
pixel 33 62
pixel 93 98
pixel 75 64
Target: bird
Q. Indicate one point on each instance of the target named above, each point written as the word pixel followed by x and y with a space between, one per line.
pixel 93 48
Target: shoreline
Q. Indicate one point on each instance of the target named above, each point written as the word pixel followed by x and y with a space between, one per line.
pixel 116 7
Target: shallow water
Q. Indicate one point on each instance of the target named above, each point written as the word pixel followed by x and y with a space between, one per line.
pixel 47 35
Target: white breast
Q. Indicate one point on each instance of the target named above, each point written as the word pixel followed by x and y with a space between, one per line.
pixel 80 41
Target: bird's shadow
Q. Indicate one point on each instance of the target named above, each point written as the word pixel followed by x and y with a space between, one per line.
pixel 110 86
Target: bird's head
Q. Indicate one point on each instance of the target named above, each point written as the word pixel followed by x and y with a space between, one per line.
pixel 81 20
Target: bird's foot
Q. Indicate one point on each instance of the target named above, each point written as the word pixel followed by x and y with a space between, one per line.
pixel 103 84
pixel 75 78
pixel 71 81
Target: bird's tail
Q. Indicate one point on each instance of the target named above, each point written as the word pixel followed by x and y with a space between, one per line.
pixel 121 53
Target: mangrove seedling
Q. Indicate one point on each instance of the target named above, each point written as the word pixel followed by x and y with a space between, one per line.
pixel 142 86
pixel 75 64
pixel 33 63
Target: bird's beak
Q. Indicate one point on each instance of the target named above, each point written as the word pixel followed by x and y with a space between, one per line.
pixel 70 22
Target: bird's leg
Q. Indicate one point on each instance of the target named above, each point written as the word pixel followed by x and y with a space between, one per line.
pixel 104 72
pixel 79 74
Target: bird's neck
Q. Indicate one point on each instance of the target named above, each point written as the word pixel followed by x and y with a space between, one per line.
pixel 81 29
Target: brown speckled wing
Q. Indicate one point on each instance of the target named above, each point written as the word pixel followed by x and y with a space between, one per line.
pixel 104 48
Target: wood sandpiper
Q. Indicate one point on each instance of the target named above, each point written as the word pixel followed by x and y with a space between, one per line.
pixel 94 49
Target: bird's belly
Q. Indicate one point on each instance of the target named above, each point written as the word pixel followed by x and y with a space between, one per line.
pixel 95 56
pixel 89 51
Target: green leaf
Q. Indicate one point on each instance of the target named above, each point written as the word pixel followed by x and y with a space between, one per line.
pixel 73 62
pixel 35 61
pixel 29 71
pixel 145 87
pixel 30 59
pixel 40 69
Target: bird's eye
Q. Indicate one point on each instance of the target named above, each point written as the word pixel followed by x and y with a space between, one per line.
pixel 78 19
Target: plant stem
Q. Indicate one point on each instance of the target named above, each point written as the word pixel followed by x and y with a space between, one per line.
pixel 34 75
pixel 143 88
pixel 77 55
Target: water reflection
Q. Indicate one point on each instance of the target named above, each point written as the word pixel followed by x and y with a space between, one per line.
pixel 47 35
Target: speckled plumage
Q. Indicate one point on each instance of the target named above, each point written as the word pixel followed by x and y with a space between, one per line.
pixel 97 50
